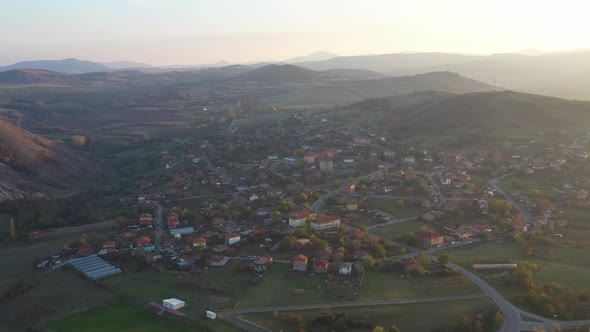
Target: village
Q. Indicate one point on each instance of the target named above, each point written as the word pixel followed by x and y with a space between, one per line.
pixel 329 204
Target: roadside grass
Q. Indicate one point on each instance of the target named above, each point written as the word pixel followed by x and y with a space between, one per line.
pixel 388 205
pixel 277 285
pixel 397 231
pixel 407 317
pixel 388 285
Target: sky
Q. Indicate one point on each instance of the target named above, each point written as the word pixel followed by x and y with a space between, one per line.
pixel 183 32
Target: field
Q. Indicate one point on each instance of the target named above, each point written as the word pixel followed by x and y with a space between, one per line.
pixel 570 266
pixel 381 285
pixel 407 317
pixel 396 231
pixel 117 317
pixel 388 205
pixel 276 288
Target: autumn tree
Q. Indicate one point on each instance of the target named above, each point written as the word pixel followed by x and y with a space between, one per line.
pixel 12 230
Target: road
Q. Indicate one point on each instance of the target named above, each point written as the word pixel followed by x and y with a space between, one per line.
pixel 494 184
pixel 159 226
pixel 230 315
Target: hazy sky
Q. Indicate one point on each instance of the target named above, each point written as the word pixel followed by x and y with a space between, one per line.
pixel 165 32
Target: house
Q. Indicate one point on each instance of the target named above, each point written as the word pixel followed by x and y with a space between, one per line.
pixel 345 268
pixel 431 239
pixel 143 242
pixel 300 263
pixel 85 250
pixel 145 219
pixel 326 165
pixel 109 246
pixel 263 261
pixel 297 219
pixel 428 217
pixel 220 248
pixel 233 238
pixel 325 223
pixel 326 253
pixel 172 220
pixel 200 243
pixel 320 266
pixel 411 265
pixel 582 194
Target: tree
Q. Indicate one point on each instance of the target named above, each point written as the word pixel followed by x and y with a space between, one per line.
pixel 394 328
pixel 400 203
pixel 444 259
pixel 378 329
pixel 12 230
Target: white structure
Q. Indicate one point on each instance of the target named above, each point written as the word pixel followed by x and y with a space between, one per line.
pixel 345 268
pixel 297 219
pixel 325 223
pixel 231 239
pixel 173 303
pixel 182 231
pixel 211 314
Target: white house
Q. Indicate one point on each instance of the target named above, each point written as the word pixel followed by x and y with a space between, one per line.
pixel 325 223
pixel 231 239
pixel 297 219
pixel 345 268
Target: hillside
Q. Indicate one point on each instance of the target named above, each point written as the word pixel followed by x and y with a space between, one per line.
pixel 282 74
pixel 62 66
pixel 35 76
pixel 349 91
pixel 472 118
pixel 316 56
pixel 31 163
pixel 355 74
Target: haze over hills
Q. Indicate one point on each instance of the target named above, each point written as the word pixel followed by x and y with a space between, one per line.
pixel 316 56
pixel 65 66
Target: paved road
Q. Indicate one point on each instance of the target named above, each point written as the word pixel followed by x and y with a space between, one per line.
pixel 159 226
pixel 230 315
pixel 494 184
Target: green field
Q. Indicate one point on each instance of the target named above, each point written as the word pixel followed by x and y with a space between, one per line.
pixel 407 317
pixel 396 231
pixel 570 266
pixel 382 285
pixel 276 288
pixel 117 317
pixel 388 205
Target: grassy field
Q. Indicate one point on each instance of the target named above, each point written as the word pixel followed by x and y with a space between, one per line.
pixel 570 266
pixel 388 205
pixel 381 285
pixel 396 231
pixel 276 288
pixel 407 317
pixel 53 295
pixel 117 317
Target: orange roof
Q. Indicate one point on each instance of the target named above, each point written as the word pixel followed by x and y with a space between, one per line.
pixel 300 257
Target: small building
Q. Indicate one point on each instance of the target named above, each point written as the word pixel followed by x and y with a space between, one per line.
pixel 326 165
pixel 200 243
pixel 145 219
pixel 300 263
pixel 320 266
pixel 297 219
pixel 345 268
pixel 219 260
pixel 173 303
pixel 233 238
pixel 210 314
pixel 325 223
pixel 431 239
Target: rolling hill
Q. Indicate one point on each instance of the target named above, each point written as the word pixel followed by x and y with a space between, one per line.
pixel 31 164
pixel 316 56
pixel 342 92
pixel 474 118
pixel 282 74
pixel 63 66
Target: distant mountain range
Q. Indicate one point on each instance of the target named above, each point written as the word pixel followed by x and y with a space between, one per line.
pixel 316 56
pixel 63 66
